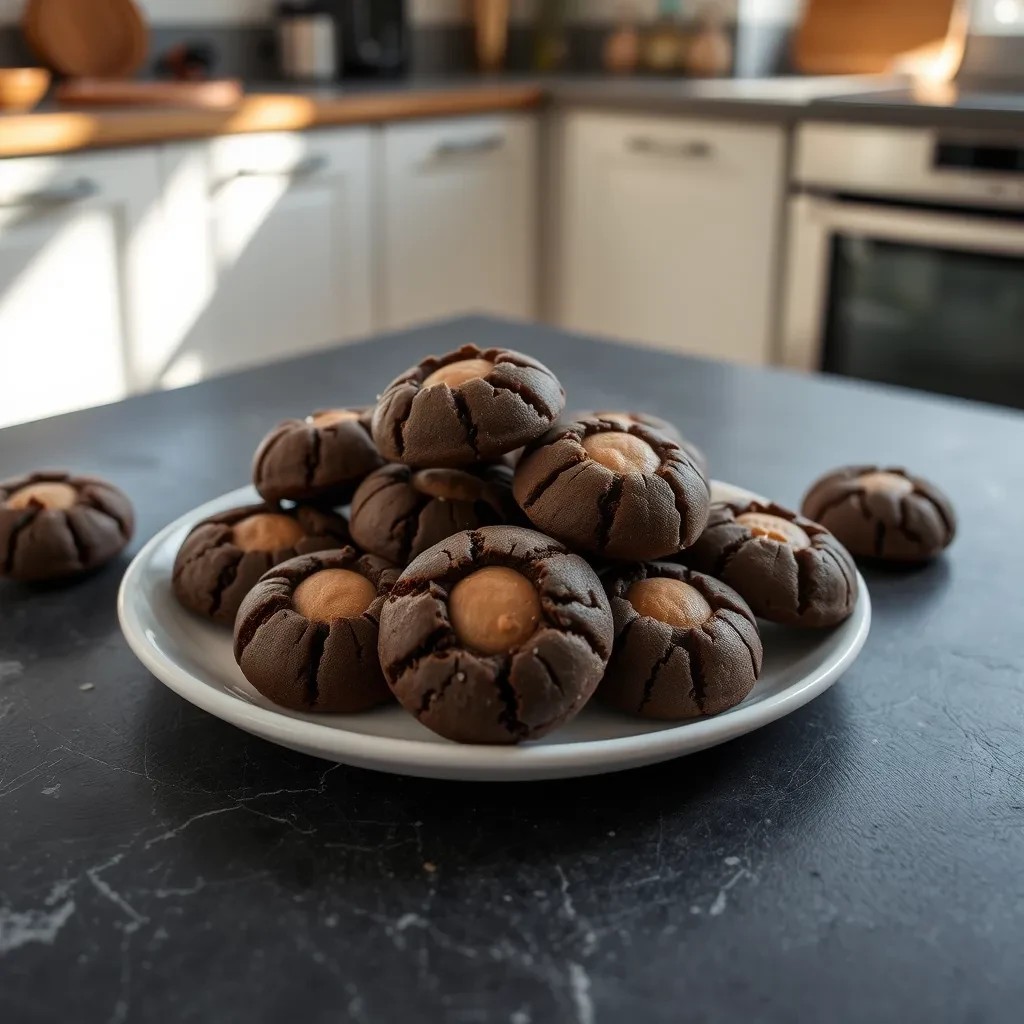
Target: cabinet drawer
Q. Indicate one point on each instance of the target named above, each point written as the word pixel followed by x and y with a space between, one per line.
pixel 686 145
pixel 285 155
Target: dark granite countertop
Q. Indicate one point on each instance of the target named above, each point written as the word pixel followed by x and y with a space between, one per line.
pixel 858 860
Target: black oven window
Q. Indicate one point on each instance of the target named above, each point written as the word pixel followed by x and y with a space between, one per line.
pixel 936 319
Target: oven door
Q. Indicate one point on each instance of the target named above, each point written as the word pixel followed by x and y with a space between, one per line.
pixel 925 299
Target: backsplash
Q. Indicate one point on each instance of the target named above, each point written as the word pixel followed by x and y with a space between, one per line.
pixel 242 35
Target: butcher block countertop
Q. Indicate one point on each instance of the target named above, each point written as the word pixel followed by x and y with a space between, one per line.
pixel 272 107
pixel 61 130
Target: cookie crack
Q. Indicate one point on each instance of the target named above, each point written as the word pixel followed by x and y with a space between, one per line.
pixel 312 456
pixel 652 678
pixel 542 485
pixel 96 501
pixel 834 503
pixel 806 586
pixel 845 572
pixel 12 539
pixel 726 555
pixel 476 545
pixel 552 675
pixel 529 396
pixel 509 716
pixel 465 418
pixel 607 509
pixel 254 622
pixel 750 650
pixel 316 654
pixel 697 680
pixel 436 693
pixel 81 548
pixel 265 454
pixel 439 639
pixel 911 535
pixel 226 577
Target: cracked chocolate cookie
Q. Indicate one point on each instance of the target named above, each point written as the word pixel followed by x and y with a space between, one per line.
pixel 496 635
pixel 787 568
pixel 656 423
pixel 685 644
pixel 321 458
pixel 306 634
pixel 399 512
pixel 885 514
pixel 224 556
pixel 623 492
pixel 54 525
pixel 468 406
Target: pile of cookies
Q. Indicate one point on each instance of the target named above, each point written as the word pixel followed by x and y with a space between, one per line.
pixel 501 563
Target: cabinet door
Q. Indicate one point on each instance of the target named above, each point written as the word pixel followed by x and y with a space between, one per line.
pixel 289 235
pixel 75 272
pixel 671 231
pixel 459 219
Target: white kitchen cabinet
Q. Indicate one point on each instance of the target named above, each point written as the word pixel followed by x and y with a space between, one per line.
pixel 279 228
pixel 458 218
pixel 670 232
pixel 78 273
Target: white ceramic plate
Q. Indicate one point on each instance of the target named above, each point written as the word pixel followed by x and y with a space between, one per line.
pixel 194 658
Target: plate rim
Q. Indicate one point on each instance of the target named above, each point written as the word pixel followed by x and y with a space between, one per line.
pixel 399 754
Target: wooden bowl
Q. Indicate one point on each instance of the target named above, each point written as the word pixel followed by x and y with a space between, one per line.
pixel 22 88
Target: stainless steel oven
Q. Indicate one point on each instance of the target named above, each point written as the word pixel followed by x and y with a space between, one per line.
pixel 906 259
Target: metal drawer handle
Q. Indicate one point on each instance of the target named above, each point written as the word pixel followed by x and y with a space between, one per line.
pixel 61 195
pixel 695 149
pixel 468 147
pixel 305 168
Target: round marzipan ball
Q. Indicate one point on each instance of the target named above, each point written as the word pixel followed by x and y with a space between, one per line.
pixel 468 406
pixel 884 514
pixel 56 526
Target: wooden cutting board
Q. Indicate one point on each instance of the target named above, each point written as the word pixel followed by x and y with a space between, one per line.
pixel 216 94
pixel 88 38
pixel 878 36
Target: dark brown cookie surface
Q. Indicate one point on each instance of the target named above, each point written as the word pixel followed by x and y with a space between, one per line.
pixel 54 525
pixel 320 458
pixel 495 635
pixel 787 568
pixel 306 634
pixel 884 514
pixel 624 493
pixel 398 512
pixel 223 556
pixel 656 423
pixel 471 405
pixel 685 644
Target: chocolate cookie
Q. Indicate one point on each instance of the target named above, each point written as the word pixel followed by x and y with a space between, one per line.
pixel 787 568
pixel 54 525
pixel 620 492
pixel 467 406
pixel 321 458
pixel 656 423
pixel 398 512
pixel 306 634
pixel 224 556
pixel 883 513
pixel 685 643
pixel 495 635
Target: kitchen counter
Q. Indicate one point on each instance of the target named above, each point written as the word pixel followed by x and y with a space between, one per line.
pixel 273 108
pixel 945 107
pixel 858 860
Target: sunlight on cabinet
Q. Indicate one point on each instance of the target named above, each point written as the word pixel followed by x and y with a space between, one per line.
pixel 76 274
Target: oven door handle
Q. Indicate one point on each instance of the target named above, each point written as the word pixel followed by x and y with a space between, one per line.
pixel 941 229
pixel 815 220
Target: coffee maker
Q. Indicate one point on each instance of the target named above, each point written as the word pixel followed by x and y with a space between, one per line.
pixel 374 36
